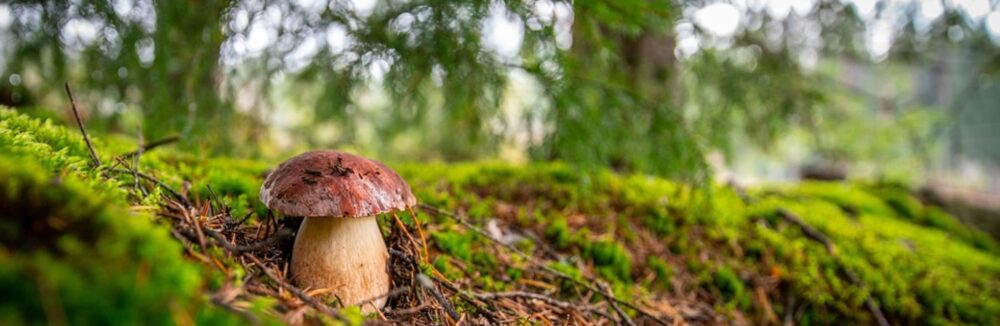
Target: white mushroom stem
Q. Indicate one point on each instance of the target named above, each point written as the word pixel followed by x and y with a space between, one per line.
pixel 345 255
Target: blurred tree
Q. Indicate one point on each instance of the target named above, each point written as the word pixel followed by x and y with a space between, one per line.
pixel 614 88
pixel 162 57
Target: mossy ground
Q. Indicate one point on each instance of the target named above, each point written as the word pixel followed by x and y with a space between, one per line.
pixel 698 254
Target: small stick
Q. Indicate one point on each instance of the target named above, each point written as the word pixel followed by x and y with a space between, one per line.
pixel 409 311
pixel 471 300
pixel 219 204
pixel 544 298
pixel 198 232
pixel 151 145
pixel 769 316
pixel 237 249
pixel 809 231
pixel 295 290
pixel 245 218
pixel 429 285
pixel 135 162
pixel 159 183
pixel 614 305
pixel 391 293
pixel 420 233
pixel 79 123
pixel 402 227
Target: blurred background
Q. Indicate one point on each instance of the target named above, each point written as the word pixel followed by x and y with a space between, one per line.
pixel 743 91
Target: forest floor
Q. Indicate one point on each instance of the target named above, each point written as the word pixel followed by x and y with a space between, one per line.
pixel 169 237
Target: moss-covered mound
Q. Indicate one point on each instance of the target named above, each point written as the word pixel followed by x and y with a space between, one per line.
pixel 655 239
pixel 72 249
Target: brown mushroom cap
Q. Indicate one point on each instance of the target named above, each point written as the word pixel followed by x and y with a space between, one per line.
pixel 335 184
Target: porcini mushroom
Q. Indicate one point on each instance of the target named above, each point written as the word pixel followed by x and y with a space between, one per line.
pixel 339 245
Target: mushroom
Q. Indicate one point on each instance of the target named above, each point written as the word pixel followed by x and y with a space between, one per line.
pixel 339 245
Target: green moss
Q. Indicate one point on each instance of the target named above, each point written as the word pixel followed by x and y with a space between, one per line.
pixel 558 233
pixel 566 287
pixel 514 274
pixel 899 262
pixel 658 220
pixel 611 260
pixel 916 261
pixel 662 271
pixel 731 287
pixel 899 199
pixel 443 265
pixel 352 316
pixel 458 244
pixel 72 254
pixel 852 200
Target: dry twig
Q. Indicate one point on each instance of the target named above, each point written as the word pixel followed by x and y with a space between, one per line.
pixel 151 145
pixel 567 306
pixel 159 183
pixel 295 290
pixel 426 283
pixel 93 154
pixel 624 317
pixel 238 250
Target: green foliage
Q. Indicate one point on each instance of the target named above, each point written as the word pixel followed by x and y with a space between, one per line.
pixel 591 83
pixel 130 61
